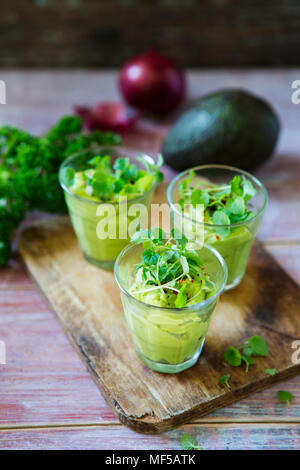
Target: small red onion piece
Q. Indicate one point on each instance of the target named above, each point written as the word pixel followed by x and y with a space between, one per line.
pixel 108 116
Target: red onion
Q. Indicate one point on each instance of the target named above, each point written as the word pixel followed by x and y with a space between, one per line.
pixel 152 83
pixel 108 116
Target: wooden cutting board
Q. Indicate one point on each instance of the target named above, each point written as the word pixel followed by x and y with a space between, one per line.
pixel 86 301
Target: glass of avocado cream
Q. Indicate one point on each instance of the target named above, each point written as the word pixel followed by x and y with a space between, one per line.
pixel 100 187
pixel 234 202
pixel 169 293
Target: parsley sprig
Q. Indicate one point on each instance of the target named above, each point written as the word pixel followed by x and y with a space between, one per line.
pixel 223 204
pixel 168 265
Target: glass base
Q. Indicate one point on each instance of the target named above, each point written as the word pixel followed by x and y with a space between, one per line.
pixel 234 283
pixel 108 265
pixel 170 368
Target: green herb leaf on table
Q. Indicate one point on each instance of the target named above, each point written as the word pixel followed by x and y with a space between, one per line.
pixel 248 361
pixel 223 380
pixel 284 396
pixel 254 346
pixel 247 351
pixel 271 371
pixel 188 442
pixel 233 356
pixel 257 346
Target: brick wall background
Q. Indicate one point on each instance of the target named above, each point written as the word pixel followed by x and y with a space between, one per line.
pixel 197 33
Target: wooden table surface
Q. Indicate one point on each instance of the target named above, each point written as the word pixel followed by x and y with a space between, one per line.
pixel 47 398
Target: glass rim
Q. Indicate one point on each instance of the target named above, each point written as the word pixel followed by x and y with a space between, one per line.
pixel 192 307
pixel 224 167
pixel 99 148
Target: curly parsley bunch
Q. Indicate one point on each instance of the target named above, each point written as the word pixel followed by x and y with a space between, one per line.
pixel 29 171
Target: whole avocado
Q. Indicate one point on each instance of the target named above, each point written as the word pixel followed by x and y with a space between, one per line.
pixel 229 127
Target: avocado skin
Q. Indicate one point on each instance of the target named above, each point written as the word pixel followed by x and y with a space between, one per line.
pixel 229 127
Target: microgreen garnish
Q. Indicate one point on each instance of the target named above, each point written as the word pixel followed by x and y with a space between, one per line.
pixel 223 205
pixel 188 442
pixel 248 361
pixel 181 299
pixel 254 346
pixel 149 168
pixel 271 371
pixel 233 356
pixel 170 268
pixel 110 182
pixel 285 397
pixel 223 380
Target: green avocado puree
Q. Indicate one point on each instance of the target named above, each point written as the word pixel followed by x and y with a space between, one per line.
pixel 169 277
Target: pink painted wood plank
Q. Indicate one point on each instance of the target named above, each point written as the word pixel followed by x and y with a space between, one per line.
pixel 44 380
pixel 261 407
pixel 282 217
pixel 288 256
pixel 210 437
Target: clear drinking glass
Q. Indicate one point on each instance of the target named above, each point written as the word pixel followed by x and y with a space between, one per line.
pixel 83 212
pixel 168 339
pixel 236 247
